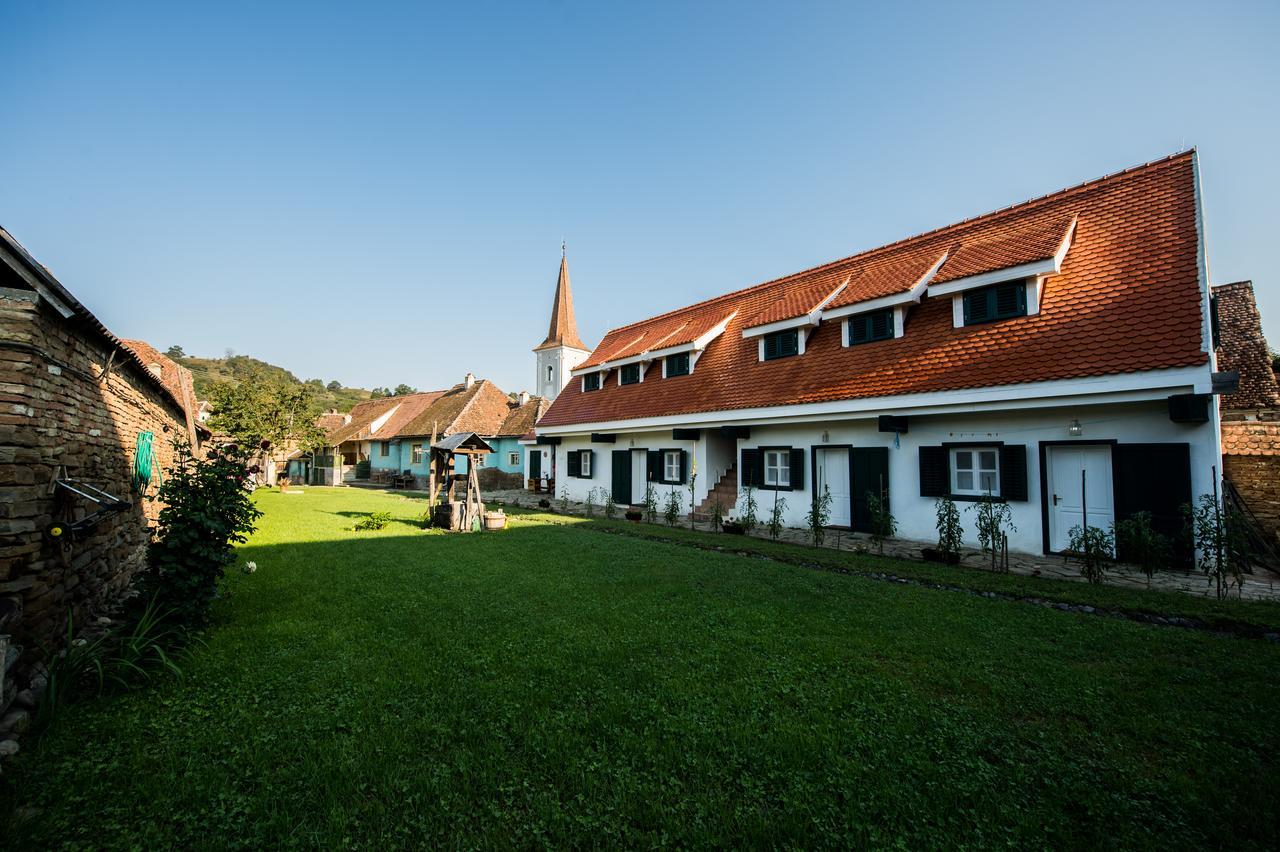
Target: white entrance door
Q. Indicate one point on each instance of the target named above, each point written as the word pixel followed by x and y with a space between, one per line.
pixel 639 475
pixel 1078 474
pixel 833 472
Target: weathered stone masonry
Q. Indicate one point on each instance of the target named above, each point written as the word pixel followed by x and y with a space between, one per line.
pixel 70 395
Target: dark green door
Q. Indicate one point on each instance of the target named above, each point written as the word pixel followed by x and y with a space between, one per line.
pixel 535 463
pixel 869 472
pixel 622 477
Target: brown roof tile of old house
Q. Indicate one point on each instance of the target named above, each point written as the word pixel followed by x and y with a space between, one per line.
pixel 1127 299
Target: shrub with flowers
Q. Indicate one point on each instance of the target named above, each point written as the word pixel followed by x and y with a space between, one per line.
pixel 207 512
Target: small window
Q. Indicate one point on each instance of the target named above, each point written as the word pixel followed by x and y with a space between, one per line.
pixel 997 302
pixel 384 448
pixel 479 461
pixel 585 458
pixel 777 468
pixel 629 375
pixel 513 459
pixel 415 451
pixel 975 471
pixel 551 373
pixel 591 382
pixel 781 344
pixel 864 328
pixel 671 466
pixel 678 365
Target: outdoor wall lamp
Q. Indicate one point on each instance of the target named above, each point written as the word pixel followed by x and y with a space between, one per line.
pixel 1074 429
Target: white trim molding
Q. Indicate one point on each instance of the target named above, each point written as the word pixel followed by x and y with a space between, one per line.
pixel 912 296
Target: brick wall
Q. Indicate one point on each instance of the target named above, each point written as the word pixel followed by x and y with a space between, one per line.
pixel 1258 480
pixel 57 408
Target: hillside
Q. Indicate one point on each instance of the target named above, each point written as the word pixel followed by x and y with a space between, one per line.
pixel 238 368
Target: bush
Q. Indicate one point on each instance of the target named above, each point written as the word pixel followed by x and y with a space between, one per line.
pixel 1137 541
pixel 775 516
pixel 950 533
pixel 994 522
pixel 373 521
pixel 671 508
pixel 207 512
pixel 1220 536
pixel 883 523
pixel 1093 547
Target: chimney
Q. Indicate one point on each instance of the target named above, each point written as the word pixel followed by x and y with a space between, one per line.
pixel 469 380
pixel 523 397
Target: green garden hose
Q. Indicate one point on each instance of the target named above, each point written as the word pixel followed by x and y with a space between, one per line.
pixel 144 462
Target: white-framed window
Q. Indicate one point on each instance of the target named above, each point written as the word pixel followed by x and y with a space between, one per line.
pixel 975 471
pixel 777 468
pixel 415 453
pixel 513 458
pixel 586 463
pixel 671 466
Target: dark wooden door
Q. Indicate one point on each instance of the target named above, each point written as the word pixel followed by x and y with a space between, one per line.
pixel 622 477
pixel 535 463
pixel 1154 478
pixel 869 472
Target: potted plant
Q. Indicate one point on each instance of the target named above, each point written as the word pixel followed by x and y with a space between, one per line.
pixel 544 503
pixel 733 526
pixel 633 515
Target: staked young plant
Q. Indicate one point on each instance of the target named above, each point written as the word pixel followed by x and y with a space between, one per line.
pixel 883 524
pixel 717 515
pixel 610 507
pixel 650 504
pixel 591 503
pixel 671 508
pixel 693 479
pixel 749 517
pixel 1220 537
pixel 564 500
pixel 1138 540
pixel 994 520
pixel 819 515
pixel 950 532
pixel 207 512
pixel 1093 548
pixel 776 514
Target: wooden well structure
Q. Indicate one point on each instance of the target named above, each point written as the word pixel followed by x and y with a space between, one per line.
pixel 449 512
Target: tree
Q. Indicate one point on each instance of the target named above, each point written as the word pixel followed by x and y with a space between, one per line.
pixel 402 389
pixel 258 410
pixel 379 393
pixel 175 352
pixel 334 385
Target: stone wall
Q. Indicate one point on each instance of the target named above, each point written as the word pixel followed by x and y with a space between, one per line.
pixel 1257 478
pixel 60 405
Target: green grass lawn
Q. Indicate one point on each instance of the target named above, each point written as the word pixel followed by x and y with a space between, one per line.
pixel 557 684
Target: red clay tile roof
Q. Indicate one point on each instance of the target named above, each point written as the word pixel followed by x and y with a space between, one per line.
pixel 176 378
pixel 798 300
pixel 1038 240
pixel 888 276
pixel 1242 347
pixel 1127 300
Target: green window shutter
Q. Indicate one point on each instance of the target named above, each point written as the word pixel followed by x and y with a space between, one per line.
pixel 790 343
pixel 749 472
pixel 655 465
pixel 574 467
pixel 1013 472
pixel 857 330
pixel 770 347
pixel 797 469
pixel 935 473
pixel 684 466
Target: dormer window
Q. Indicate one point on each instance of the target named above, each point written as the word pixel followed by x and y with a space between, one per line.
pixel 629 374
pixel 591 382
pixel 865 328
pixel 780 344
pixel 676 365
pixel 997 302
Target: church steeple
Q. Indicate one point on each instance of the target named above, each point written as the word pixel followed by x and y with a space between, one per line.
pixel 564 327
pixel 563 349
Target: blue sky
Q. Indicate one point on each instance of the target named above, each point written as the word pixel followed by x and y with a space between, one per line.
pixel 377 193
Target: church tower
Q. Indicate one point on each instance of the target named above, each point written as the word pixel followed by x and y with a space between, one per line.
pixel 563 349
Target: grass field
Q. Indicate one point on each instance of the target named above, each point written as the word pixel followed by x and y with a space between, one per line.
pixel 556 684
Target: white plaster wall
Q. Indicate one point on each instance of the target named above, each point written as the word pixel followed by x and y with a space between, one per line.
pixel 562 360
pixel 1124 422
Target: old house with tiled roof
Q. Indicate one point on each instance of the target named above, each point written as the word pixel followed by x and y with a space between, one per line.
pixel 1250 415
pixel 1054 354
